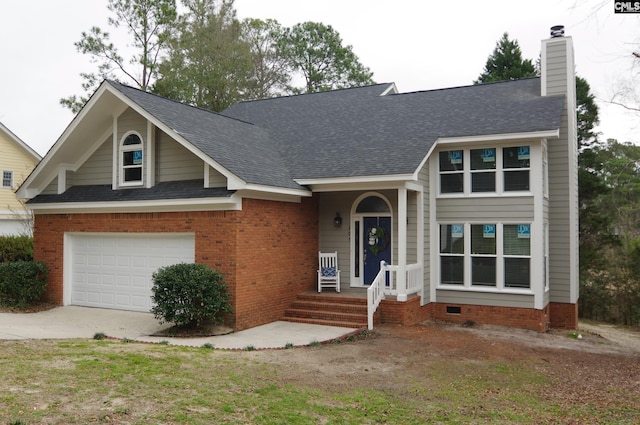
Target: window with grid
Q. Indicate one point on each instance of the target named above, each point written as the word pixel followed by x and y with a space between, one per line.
pixel 7 179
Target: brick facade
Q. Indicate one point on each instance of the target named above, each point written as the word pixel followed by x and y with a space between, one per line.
pixel 267 252
pixel 555 315
pixel 405 313
pixel 564 315
pixel 524 318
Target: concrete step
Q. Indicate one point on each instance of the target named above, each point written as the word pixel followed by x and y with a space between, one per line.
pixel 326 322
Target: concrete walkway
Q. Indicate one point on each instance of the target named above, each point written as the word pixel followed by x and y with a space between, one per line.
pixel 84 322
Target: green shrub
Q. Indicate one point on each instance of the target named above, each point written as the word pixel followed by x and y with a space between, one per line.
pixel 189 295
pixel 16 248
pixel 22 283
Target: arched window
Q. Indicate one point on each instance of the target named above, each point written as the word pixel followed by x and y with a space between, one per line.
pixel 131 163
pixel 372 204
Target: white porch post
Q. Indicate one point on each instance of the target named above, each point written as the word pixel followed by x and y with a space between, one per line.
pixel 401 277
pixel 420 237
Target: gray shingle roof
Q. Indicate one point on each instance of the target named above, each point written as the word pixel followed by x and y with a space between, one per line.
pixel 190 189
pixel 350 132
pixel 242 148
pixel 332 134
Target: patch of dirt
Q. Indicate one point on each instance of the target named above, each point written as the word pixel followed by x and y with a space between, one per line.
pixel 601 367
pixel 35 308
pixel 204 330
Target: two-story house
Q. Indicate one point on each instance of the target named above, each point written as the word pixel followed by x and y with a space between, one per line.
pixel 468 195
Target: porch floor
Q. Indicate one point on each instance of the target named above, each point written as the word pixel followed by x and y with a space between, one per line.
pixel 345 292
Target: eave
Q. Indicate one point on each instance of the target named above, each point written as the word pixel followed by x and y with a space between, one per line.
pixel 334 184
pixel 233 203
pixel 543 134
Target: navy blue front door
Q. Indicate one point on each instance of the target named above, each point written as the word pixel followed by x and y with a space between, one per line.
pixel 376 245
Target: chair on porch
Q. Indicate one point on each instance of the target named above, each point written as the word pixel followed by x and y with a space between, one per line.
pixel 328 272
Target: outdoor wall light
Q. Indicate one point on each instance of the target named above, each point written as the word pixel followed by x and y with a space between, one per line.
pixel 337 221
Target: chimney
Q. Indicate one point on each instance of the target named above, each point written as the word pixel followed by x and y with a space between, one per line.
pixel 557 31
pixel 558 79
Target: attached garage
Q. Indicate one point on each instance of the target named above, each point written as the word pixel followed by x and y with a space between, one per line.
pixel 114 271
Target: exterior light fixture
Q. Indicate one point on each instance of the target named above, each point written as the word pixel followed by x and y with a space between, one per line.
pixel 337 220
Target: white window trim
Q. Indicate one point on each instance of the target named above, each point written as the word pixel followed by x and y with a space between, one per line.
pixel 10 186
pixel 121 167
pixel 499 256
pixel 499 171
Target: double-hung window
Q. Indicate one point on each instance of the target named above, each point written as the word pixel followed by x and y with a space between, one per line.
pixel 7 179
pixel 515 163
pixel 495 255
pixel 131 163
pixel 484 170
pixel 517 255
pixel 483 254
pixel 452 254
pixel 452 171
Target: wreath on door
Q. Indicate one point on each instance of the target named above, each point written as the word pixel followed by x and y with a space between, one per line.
pixel 378 239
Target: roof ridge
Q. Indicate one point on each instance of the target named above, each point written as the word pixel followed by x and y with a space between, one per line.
pixel 117 83
pixel 114 82
pixel 312 93
pixel 468 86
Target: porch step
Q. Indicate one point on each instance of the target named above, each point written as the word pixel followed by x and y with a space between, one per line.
pixel 328 310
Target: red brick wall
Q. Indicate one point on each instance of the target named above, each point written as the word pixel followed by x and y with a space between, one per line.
pixel 267 252
pixel 524 318
pixel 277 258
pixel 408 313
pixel 404 313
pixel 564 315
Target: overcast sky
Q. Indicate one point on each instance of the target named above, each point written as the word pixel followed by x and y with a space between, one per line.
pixel 418 44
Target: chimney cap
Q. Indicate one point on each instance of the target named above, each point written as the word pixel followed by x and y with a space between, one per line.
pixel 557 31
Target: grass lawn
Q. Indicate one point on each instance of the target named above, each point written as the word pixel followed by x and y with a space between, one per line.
pixel 91 381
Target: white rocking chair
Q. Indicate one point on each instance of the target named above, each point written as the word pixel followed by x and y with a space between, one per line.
pixel 328 272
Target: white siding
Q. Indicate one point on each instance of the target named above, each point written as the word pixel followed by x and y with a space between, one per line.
pixel 484 209
pixel 52 188
pixel 174 162
pixel 96 170
pixel 216 179
pixel 423 179
pixel 558 79
pixel 484 298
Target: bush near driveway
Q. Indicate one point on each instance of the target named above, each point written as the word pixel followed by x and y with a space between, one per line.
pixel 189 295
pixel 16 248
pixel 22 283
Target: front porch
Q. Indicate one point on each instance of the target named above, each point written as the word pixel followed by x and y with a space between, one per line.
pixel 362 307
pixel 379 239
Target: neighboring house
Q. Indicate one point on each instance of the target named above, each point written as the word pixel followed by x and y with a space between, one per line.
pixel 17 160
pixel 469 193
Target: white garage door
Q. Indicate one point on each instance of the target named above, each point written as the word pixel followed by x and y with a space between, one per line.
pixel 114 271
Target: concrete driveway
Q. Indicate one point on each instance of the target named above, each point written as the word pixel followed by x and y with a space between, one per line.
pixel 84 322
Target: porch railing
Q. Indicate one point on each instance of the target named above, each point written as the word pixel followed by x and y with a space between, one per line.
pixel 375 293
pixel 382 286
